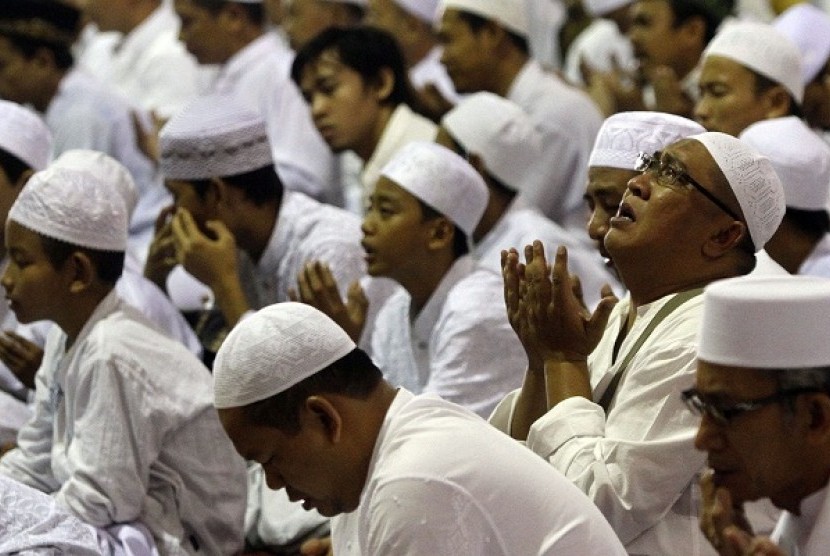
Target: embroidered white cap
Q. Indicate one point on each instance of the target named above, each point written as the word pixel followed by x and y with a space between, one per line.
pixel 599 8
pixel 422 9
pixel 502 134
pixel 809 28
pixel 766 322
pixel 274 349
pixel 752 179
pixel 105 168
pixel 213 136
pixel 800 158
pixel 73 206
pixel 24 135
pixel 623 136
pixel 441 179
pixel 762 49
pixel 510 14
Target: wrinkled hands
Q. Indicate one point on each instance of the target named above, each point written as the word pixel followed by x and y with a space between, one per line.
pixel 21 356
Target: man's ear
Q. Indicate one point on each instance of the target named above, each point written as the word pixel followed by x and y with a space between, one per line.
pixel 725 239
pixel 777 101
pixel 325 416
pixel 384 84
pixel 818 416
pixel 442 232
pixel 81 271
pixel 24 177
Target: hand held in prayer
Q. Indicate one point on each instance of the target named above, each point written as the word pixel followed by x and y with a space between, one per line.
pixel 317 547
pixel 723 524
pixel 21 356
pixel 161 256
pixel 211 260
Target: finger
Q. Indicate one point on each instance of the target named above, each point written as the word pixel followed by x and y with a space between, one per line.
pixel 306 293
pixel 737 541
pixel 220 231
pixel 163 218
pixel 576 289
pixel 600 316
pixel 293 295
pixel 357 300
pixel 560 275
pixel 607 291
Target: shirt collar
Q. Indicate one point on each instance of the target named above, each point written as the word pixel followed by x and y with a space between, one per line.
pixel 424 322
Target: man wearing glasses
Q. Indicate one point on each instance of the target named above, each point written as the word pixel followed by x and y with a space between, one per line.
pixel 763 391
pixel 601 396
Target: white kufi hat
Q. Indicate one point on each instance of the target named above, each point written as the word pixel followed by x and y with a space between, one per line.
pixel 599 8
pixel 105 168
pixel 752 179
pixel 424 10
pixel 510 14
pixel 809 28
pixel 274 349
pixel 800 158
pixel 24 135
pixel 73 206
pixel 441 179
pixel 766 322
pixel 625 135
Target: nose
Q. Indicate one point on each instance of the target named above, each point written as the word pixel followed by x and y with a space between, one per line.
pixel 709 437
pixel 639 186
pixel 368 224
pixel 701 111
pixel 598 223
pixel 318 106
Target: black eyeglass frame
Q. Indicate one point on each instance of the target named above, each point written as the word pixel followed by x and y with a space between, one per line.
pixel 724 415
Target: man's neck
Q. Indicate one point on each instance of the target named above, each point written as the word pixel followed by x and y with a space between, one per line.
pixel 422 286
pixel 77 310
pixel 496 208
pixel 257 228
pixel 790 247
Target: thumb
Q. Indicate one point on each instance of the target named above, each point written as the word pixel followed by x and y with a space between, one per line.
pixel 219 229
pixel 603 311
pixel 357 300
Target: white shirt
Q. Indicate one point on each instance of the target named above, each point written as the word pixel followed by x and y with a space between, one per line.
pixel 32 523
pixel 442 482
pixel 460 346
pixel 602 47
pixel 818 262
pixel 430 71
pixel 125 430
pixel 569 122
pixel 807 534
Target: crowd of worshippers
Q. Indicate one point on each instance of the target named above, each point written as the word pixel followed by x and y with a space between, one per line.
pixel 415 277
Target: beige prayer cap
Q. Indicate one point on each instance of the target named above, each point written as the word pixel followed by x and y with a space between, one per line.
pixel 24 135
pixel 510 14
pixel 73 206
pixel 274 349
pixel 809 28
pixel 105 168
pixel 762 49
pixel 625 135
pixel 598 8
pixel 443 180
pixel 766 322
pixel 213 136
pixel 752 179
pixel 800 158
pixel 501 133
pixel 424 10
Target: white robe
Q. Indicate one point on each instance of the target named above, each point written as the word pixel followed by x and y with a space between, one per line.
pixel 602 47
pixel 818 262
pixel 430 71
pixel 807 534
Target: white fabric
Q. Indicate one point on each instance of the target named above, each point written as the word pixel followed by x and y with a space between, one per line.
pixel 442 481
pixel 602 7
pixel 502 134
pixel 545 19
pixel 777 307
pixel 274 349
pixel 430 71
pixel 423 9
pixel 766 265
pixel 625 135
pixel 73 206
pixel 569 122
pixel 105 168
pixel 809 28
pixel 799 156
pixel 460 346
pixel 174 470
pixel 817 262
pixel 33 524
pixel 807 534
pixel 602 47
pixel 762 49
pixel 752 179
pixel 23 134
pixel 510 14
pixel 441 179
pixel 14 413
pixel 521 226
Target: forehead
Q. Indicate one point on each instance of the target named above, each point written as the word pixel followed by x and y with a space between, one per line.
pixel 650 11
pixel 388 190
pixel 187 8
pixel 693 157
pixel 739 382
pixel 603 180
pixel 452 24
pixel 327 65
pixel 21 238
pixel 720 67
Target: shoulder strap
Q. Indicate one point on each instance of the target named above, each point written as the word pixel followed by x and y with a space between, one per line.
pixel 671 305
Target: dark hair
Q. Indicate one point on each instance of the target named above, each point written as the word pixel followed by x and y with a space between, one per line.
pixel 260 186
pixel 459 238
pixel 815 223
pixel 353 375
pixel 477 22
pixel 12 166
pixel 713 13
pixel 31 25
pixel 29 46
pixel 764 84
pixel 366 50
pixel 254 11
pixel 108 264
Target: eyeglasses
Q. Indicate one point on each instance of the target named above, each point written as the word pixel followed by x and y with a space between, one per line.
pixel 671 176
pixel 723 414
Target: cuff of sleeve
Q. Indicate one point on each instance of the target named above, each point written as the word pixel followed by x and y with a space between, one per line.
pixel 575 417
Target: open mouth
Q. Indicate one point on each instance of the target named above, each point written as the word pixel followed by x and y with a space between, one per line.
pixel 624 214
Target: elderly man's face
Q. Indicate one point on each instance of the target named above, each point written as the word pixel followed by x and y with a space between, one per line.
pixel 605 190
pixel 758 453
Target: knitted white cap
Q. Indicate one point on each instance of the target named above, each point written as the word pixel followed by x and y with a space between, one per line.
pixel 502 134
pixel 752 179
pixel 599 8
pixel 105 168
pixel 809 28
pixel 800 158
pixel 766 322
pixel 510 14
pixel 764 50
pixel 272 350
pixel 213 136
pixel 24 135
pixel 73 206
pixel 422 9
pixel 625 135
pixel 441 179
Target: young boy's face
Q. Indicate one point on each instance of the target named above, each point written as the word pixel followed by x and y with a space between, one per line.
pixel 34 288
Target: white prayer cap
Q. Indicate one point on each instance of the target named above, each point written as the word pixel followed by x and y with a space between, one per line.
pixel 762 49
pixel 105 168
pixel 422 9
pixel 501 133
pixel 273 350
pixel 24 135
pixel 766 322
pixel 752 179
pixel 443 180
pixel 598 8
pixel 800 158
pixel 625 135
pixel 73 206
pixel 510 14
pixel 213 136
pixel 809 28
